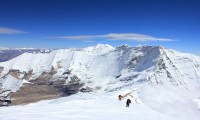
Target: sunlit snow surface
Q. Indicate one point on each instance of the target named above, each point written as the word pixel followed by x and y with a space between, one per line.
pixel 82 107
pixel 11 83
pixel 147 104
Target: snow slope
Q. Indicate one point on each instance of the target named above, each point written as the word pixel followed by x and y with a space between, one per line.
pixel 81 107
pixel 9 84
pixel 177 69
pixel 172 101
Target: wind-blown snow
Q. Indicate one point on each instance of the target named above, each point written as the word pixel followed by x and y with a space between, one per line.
pixel 172 101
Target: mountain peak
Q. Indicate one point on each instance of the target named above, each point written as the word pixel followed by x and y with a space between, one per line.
pixel 99 49
pixel 103 45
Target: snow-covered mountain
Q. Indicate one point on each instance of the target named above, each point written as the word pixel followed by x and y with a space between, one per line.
pixel 159 77
pixel 103 65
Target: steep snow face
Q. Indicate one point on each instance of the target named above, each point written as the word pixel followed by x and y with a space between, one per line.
pixel 28 61
pixel 178 69
pixel 9 84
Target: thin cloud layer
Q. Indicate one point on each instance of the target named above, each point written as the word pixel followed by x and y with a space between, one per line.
pixel 10 31
pixel 134 37
pixel 118 36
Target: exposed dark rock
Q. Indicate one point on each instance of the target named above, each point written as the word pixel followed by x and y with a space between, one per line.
pixel 86 89
pixel 117 76
pixel 28 75
pixel 67 72
pixel 45 76
pixel 43 88
pixel 72 87
pixel 5 98
pixel 15 73
pixel 130 78
pixel 29 93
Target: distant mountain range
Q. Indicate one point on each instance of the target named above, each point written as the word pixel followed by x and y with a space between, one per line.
pixel 10 53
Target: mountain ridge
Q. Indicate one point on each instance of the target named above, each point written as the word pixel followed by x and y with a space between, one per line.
pixel 102 68
pixel 141 58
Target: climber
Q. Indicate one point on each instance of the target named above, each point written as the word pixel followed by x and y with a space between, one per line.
pixel 128 102
pixel 120 97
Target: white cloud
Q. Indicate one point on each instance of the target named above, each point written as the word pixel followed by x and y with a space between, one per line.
pixel 118 36
pixel 134 37
pixel 10 31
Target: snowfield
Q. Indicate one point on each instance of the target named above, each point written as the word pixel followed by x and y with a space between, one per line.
pixel 176 102
pixel 82 107
pixel 147 104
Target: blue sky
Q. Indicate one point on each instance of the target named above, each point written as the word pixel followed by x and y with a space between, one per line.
pixel 80 23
